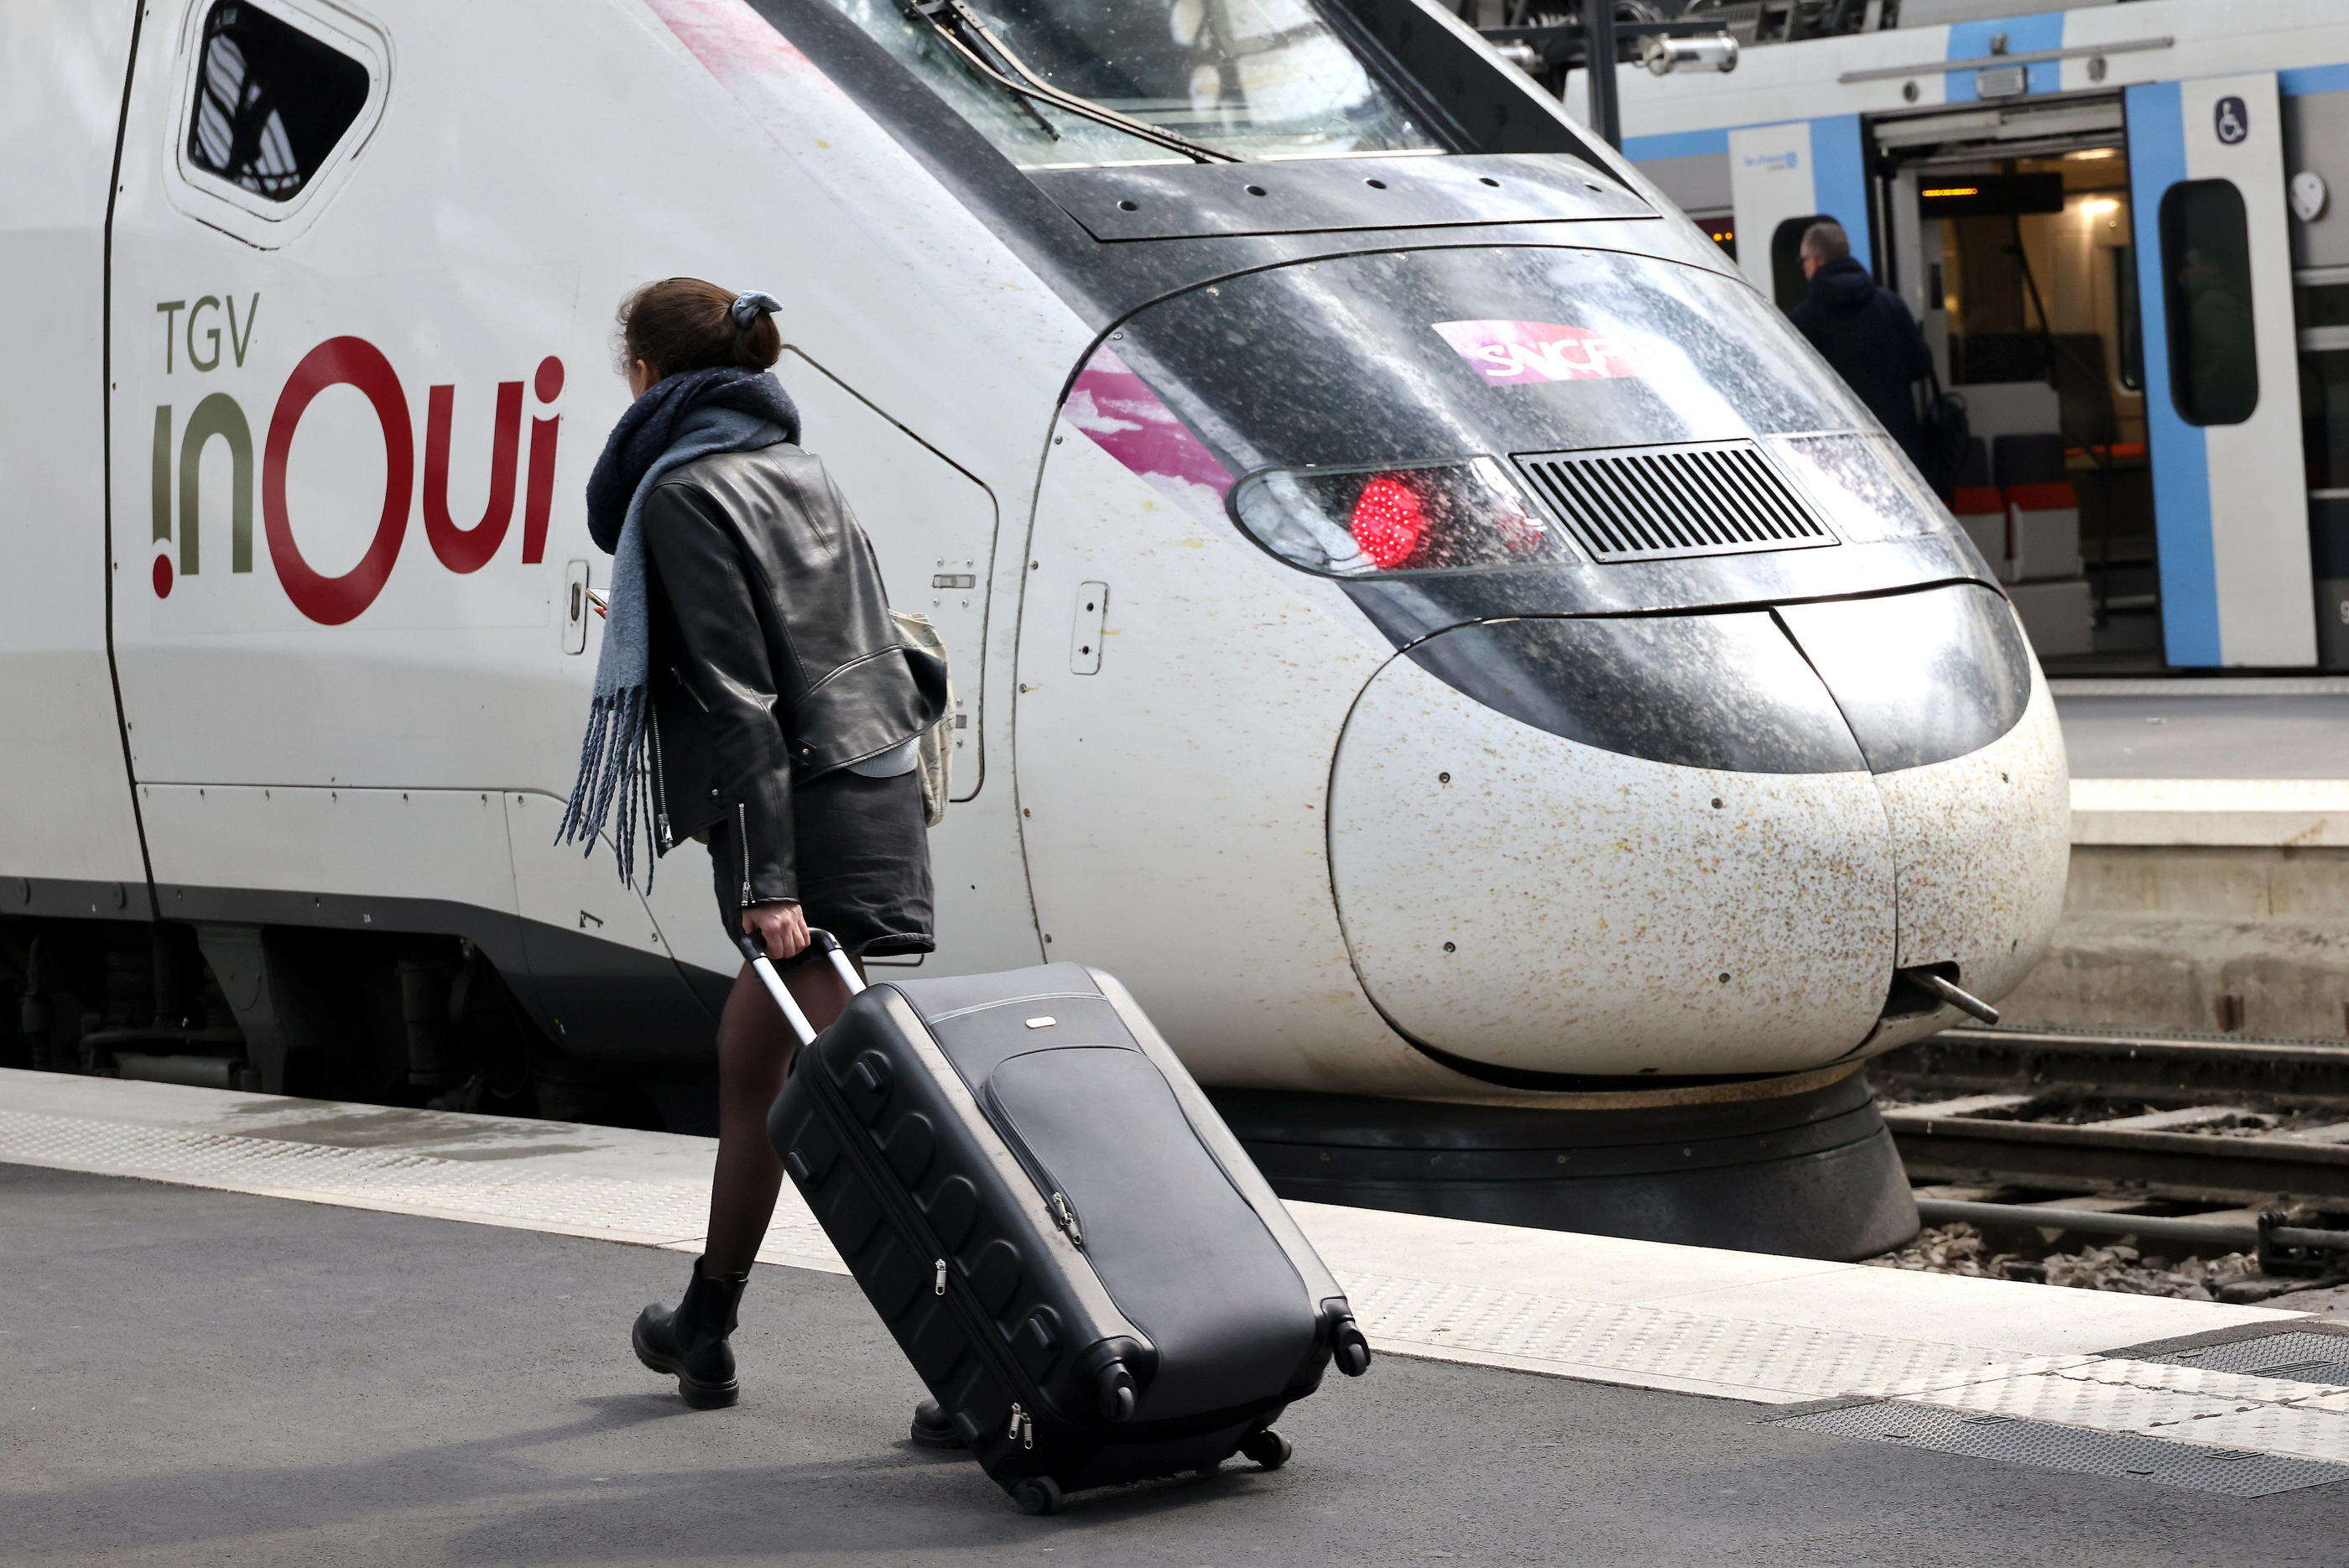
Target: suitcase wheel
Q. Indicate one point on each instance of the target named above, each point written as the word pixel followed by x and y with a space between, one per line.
pixel 1267 1448
pixel 1114 1387
pixel 1037 1494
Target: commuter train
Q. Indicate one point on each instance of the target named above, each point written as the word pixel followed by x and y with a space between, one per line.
pixel 2118 226
pixel 1417 614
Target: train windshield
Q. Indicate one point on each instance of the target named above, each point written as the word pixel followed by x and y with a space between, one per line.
pixel 1253 78
pixel 1470 410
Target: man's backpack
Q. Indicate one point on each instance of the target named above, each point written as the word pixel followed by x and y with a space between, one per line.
pixel 1948 435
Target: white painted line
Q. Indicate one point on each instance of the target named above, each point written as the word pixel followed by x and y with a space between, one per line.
pixel 2236 1387
pixel 2099 1406
pixel 2176 1403
pixel 2296 813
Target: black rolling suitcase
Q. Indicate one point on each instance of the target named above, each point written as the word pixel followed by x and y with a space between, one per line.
pixel 1070 1245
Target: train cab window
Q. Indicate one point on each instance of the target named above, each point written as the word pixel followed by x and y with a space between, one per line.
pixel 1255 78
pixel 271 101
pixel 2206 265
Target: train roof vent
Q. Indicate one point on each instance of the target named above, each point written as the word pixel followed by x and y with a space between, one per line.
pixel 1649 502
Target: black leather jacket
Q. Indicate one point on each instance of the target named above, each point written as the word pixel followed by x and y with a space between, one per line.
pixel 775 659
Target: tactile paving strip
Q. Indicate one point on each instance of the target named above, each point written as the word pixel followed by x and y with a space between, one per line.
pixel 2016 1440
pixel 2105 1406
pixel 2161 1400
pixel 2235 1387
pixel 630 1210
pixel 1730 1352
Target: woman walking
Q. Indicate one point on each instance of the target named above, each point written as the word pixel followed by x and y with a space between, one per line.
pixel 752 693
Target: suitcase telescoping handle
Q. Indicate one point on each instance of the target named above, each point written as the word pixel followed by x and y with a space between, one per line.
pixel 765 968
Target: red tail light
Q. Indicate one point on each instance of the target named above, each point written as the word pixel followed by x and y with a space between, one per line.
pixel 1390 520
pixel 1425 517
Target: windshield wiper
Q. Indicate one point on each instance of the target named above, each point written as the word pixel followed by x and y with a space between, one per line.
pixel 965 31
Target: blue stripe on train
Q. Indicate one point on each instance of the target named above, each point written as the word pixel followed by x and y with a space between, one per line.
pixel 2181 460
pixel 1676 144
pixel 2310 80
pixel 1839 179
pixel 2024 34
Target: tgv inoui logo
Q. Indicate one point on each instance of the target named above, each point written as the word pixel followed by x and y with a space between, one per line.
pixel 181 447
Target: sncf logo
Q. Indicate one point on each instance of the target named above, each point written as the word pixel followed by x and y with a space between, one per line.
pixel 182 443
pixel 1513 353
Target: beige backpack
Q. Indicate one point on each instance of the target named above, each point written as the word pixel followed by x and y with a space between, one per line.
pixel 937 740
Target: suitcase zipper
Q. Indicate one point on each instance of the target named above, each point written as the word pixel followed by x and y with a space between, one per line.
pixel 1064 1213
pixel 979 1327
pixel 1023 1426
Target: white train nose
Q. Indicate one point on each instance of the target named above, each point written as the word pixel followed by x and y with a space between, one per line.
pixel 1702 875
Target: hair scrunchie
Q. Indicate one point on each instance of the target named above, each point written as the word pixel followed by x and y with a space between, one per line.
pixel 749 305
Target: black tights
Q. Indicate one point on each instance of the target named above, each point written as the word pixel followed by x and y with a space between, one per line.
pixel 755 1048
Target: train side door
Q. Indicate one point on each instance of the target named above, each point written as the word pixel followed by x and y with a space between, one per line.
pixel 2006 231
pixel 351 370
pixel 932 524
pixel 2214 270
pixel 333 469
pixel 66 826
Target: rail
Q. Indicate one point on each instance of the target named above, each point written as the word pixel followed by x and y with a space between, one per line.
pixel 2128 1123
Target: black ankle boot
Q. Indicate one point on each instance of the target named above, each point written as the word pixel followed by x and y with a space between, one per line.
pixel 932 1429
pixel 691 1341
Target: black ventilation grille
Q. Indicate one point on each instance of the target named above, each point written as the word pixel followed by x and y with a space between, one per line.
pixel 1643 503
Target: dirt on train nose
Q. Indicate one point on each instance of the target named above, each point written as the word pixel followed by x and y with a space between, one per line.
pixel 1671 847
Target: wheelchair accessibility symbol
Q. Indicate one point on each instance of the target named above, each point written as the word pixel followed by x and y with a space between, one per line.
pixel 2233 120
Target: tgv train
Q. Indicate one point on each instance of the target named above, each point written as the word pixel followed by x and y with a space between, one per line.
pixel 1417 614
pixel 2119 227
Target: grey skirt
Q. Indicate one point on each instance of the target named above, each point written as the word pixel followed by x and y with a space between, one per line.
pixel 863 853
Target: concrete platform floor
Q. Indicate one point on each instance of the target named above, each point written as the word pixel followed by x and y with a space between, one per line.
pixel 197 1377
pixel 2218 728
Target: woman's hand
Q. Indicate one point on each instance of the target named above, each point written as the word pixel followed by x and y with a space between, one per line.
pixel 782 928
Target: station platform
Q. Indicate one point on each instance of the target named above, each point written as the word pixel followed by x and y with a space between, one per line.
pixel 201 1370
pixel 2246 763
pixel 2209 820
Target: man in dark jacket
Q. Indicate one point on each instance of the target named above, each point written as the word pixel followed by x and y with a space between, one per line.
pixel 1865 332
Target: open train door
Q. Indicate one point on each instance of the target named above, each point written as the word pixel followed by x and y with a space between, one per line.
pixel 2214 270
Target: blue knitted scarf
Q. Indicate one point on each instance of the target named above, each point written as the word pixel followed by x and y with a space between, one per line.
pixel 683 418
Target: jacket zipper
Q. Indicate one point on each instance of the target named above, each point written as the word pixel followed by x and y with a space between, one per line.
pixel 742 833
pixel 660 796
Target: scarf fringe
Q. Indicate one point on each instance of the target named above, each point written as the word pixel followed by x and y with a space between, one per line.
pixel 613 772
pixel 686 417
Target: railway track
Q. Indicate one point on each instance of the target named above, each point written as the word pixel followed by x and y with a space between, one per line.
pixel 2212 1145
pixel 2196 1119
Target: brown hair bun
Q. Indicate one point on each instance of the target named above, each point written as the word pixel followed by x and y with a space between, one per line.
pixel 683 324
